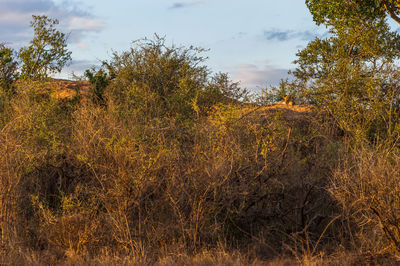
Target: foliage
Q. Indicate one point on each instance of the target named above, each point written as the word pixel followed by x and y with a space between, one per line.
pixel 343 13
pixel 154 80
pixel 8 69
pixel 277 94
pixel 84 179
pixel 221 88
pixel 99 81
pixel 354 74
pixel 47 52
pixel 167 159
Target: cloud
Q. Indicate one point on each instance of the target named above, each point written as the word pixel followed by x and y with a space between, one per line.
pixel 80 27
pixel 286 35
pixel 254 76
pixel 85 24
pixel 15 17
pixel 178 5
pixel 240 35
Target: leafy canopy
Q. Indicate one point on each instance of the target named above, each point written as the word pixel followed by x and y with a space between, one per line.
pixel 353 73
pixel 47 52
pixel 99 80
pixel 342 12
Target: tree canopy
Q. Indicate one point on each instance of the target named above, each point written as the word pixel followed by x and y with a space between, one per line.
pixel 353 73
pixel 336 12
pixel 47 52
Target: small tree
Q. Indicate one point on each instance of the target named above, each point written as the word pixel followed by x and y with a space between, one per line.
pixel 8 68
pixel 99 80
pixel 47 52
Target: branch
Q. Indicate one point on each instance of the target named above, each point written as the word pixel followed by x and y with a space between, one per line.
pixel 391 10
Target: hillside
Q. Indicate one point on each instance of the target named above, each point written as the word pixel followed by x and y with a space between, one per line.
pixel 67 89
pixel 58 88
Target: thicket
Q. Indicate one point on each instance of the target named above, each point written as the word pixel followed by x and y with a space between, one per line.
pixel 169 162
pixel 166 162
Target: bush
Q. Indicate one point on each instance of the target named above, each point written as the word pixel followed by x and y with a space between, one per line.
pixel 147 188
pixel 367 187
pixel 353 74
pixel 87 180
pixel 153 81
pixel 99 81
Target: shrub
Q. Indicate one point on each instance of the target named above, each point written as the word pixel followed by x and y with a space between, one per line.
pixel 99 81
pixel 367 186
pixel 353 73
pixel 153 80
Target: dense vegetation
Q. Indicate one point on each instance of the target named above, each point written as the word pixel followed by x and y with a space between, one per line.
pixel 166 162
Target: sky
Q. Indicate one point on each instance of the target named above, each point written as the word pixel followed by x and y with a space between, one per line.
pixel 254 41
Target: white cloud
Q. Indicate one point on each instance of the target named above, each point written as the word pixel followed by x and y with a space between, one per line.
pixel 85 24
pixel 15 16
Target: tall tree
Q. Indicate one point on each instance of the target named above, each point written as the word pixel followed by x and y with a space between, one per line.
pixel 353 73
pixel 47 52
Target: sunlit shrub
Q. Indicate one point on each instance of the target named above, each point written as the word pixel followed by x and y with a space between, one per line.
pixel 153 80
pixel 367 187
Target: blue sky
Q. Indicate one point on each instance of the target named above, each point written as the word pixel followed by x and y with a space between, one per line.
pixel 255 41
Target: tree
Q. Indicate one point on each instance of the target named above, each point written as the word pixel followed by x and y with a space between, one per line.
pixel 353 74
pixel 8 68
pixel 47 52
pixel 342 11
